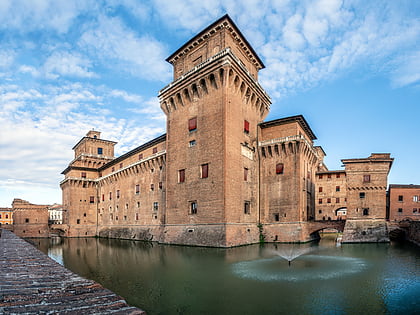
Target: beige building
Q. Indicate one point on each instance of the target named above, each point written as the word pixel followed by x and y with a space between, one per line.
pixel 6 216
pixel 220 176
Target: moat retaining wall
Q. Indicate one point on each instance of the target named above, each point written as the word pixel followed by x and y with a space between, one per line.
pixel 365 231
pixel 33 283
pixel 413 232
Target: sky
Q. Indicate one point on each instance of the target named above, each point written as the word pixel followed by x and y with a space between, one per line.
pixel 352 68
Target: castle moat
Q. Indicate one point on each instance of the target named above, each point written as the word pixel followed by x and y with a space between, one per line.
pixel 322 278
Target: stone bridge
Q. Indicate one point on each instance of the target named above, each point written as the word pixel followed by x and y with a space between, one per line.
pixel 316 226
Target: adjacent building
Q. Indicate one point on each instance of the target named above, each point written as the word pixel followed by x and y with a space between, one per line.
pixel 30 220
pixel 6 216
pixel 404 202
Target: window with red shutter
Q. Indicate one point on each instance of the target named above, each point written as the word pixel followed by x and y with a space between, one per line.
pixel 204 171
pixel 92 199
pixel 320 189
pixel 279 168
pixel 181 176
pixel 192 124
pixel 246 126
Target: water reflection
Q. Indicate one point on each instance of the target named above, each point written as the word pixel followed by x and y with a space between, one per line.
pixel 351 279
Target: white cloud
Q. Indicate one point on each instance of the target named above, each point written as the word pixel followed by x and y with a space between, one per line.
pixel 141 56
pixel 62 63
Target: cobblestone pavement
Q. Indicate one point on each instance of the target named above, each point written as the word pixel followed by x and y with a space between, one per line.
pixel 33 283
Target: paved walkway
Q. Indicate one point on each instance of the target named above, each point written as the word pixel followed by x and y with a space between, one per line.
pixel 33 283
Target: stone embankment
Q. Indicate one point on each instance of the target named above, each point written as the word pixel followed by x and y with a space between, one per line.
pixel 33 283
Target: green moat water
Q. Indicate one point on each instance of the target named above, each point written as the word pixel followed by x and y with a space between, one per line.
pixel 324 279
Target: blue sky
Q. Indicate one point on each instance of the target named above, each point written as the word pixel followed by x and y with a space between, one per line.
pixel 352 68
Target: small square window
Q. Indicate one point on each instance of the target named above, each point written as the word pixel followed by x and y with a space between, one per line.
pixel 320 211
pixel 100 151
pixel 152 187
pixel 414 210
pixel 400 210
pixel 366 178
pixel 338 176
pixel 154 151
pixel 329 176
pixel 400 198
pixel 337 188
pixel 192 124
pixel 26 220
pixel 140 156
pixel 320 176
pixel 362 195
pixel 276 217
pixel 328 200
pixel 366 211
pixel 83 175
pixel 192 143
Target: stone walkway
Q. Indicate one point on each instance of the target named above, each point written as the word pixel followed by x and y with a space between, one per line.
pixel 33 283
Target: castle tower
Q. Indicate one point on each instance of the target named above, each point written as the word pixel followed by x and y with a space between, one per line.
pixel 79 187
pixel 367 180
pixel 213 109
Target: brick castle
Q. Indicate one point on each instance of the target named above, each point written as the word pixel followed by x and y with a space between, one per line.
pixel 221 175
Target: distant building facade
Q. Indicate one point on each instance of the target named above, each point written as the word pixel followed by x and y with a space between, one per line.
pixel 55 214
pixel 6 216
pixel 404 202
pixel 221 175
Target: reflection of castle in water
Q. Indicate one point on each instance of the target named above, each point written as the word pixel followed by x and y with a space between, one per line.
pixel 221 175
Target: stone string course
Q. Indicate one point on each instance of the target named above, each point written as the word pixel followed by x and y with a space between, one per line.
pixel 33 283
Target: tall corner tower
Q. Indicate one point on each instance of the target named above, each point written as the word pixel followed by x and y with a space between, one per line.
pixel 79 187
pixel 213 109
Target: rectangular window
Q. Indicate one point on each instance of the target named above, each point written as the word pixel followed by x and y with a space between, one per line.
pixel 328 200
pixel 154 151
pixel 193 207
pixel 26 220
pixel 192 143
pixel 247 207
pixel 118 194
pixel 137 216
pixel 329 176
pixel 152 187
pixel 320 176
pixel 414 210
pixel 103 197
pixel 279 168
pixel 320 211
pixel 400 210
pixel 415 198
pixel 320 200
pixel 192 124
pixel 320 189
pixel 140 156
pixel 110 195
pixel 121 165
pixel 366 178
pixel 204 171
pixel 160 185
pixel 246 126
pixel 245 174
pixel 155 206
pixel 337 188
pixel 83 175
pixel 366 211
pixel 400 198
pixel 78 221
pixel 91 199
pixel 100 150
pixel 181 176
pixel 276 217
pixel 362 195
pixel 338 176
pixel 337 200
pixel 137 189
pixel 113 169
